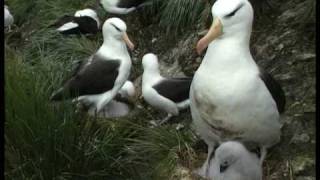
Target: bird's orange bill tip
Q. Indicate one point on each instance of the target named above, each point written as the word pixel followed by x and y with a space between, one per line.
pixel 128 41
pixel 214 32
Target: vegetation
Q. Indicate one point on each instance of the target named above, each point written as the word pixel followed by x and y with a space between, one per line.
pixel 50 141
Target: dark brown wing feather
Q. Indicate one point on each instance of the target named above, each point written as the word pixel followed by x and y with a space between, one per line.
pixel 275 90
pixel 97 77
pixel 175 89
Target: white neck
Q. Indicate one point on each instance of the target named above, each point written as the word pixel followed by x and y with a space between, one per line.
pixel 151 76
pixel 114 48
pixel 229 53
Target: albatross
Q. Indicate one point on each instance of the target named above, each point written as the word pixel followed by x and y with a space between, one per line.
pixel 85 21
pixel 170 95
pixel 121 105
pixel 232 161
pixel 231 98
pixel 97 80
pixel 122 6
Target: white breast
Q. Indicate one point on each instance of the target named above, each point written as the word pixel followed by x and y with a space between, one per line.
pixel 228 93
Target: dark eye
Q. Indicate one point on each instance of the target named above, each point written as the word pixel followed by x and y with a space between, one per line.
pixel 234 11
pixel 223 167
pixel 116 27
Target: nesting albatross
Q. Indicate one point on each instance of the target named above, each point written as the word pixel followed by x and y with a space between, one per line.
pixel 98 80
pixel 230 97
pixel 120 106
pixel 84 21
pixel 232 161
pixel 167 94
pixel 122 6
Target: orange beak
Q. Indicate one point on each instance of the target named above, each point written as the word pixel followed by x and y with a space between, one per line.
pixel 214 32
pixel 128 41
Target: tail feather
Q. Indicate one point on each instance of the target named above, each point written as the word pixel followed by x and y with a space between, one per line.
pixel 149 3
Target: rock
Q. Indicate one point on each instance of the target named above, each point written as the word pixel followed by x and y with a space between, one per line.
pixel 182 173
pixel 306 56
pixel 300 138
pixel 154 40
pixel 280 47
pixel 302 164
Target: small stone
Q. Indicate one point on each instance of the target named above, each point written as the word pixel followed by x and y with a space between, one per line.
pixel 179 127
pixel 154 40
pixel 280 47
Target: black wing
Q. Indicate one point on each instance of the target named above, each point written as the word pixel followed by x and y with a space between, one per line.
pixel 275 90
pixel 87 25
pixel 130 3
pixel 61 21
pixel 175 89
pixel 97 77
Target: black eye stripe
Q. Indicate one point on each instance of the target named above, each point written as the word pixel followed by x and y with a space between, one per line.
pixel 234 12
pixel 223 167
pixel 116 27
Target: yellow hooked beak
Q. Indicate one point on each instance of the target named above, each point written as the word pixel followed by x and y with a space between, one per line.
pixel 128 41
pixel 214 32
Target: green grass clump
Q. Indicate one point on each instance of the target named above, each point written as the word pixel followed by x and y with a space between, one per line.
pixel 174 16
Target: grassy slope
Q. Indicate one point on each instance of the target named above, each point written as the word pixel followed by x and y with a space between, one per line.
pixel 49 141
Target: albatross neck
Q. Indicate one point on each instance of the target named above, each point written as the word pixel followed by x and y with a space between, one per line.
pixel 228 52
pixel 113 48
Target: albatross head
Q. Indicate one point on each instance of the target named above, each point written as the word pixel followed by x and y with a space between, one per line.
pixel 150 61
pixel 231 18
pixel 88 12
pixel 116 28
pixel 232 161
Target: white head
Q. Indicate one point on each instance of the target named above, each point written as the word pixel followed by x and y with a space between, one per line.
pixel 231 18
pixel 150 62
pixel 88 12
pixel 232 161
pixel 115 28
pixel 127 90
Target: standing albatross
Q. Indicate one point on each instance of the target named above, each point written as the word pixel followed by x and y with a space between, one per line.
pixel 170 95
pixel 98 80
pixel 230 97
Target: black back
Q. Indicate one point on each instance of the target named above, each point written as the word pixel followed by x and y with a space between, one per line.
pixel 175 89
pixel 95 78
pixel 275 90
pixel 87 25
pixel 130 3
